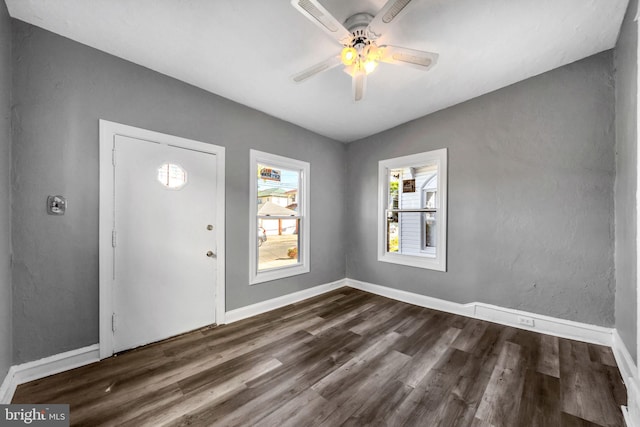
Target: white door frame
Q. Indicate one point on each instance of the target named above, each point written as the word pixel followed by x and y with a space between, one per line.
pixel 634 394
pixel 108 131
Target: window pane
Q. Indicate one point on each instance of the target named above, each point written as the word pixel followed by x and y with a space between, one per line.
pixel 430 199
pixel 393 236
pixel 412 233
pixel 395 176
pixel 172 176
pixel 430 235
pixel 278 238
pixel 277 191
pixel 278 243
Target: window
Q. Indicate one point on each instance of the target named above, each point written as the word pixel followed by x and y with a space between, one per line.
pixel 279 236
pixel 172 176
pixel 412 210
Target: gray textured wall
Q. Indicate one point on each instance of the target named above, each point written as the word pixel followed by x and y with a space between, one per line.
pixel 5 191
pixel 531 174
pixel 626 53
pixel 61 89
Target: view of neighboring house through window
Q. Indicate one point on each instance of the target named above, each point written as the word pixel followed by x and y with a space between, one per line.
pixel 412 210
pixel 280 217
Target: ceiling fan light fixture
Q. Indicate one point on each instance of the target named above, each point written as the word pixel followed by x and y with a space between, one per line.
pixel 349 55
pixel 370 65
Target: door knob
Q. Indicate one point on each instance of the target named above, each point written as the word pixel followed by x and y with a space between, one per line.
pixel 210 254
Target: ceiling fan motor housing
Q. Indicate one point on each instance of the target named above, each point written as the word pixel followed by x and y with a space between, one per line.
pixel 357 25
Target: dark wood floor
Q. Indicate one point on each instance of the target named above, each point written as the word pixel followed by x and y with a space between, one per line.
pixel 346 358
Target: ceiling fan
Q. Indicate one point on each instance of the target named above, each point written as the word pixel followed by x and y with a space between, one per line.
pixel 359 36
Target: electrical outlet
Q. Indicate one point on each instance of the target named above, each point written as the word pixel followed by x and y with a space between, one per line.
pixel 526 321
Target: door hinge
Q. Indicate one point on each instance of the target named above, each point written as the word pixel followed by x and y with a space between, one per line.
pixel 113 156
pixel 113 238
pixel 113 322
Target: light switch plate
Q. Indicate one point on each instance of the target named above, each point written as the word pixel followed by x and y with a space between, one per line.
pixel 56 205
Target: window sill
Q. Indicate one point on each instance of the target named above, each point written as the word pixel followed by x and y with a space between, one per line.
pixel 426 261
pixel 278 273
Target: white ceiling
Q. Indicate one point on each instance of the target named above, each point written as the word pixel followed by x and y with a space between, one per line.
pixel 246 50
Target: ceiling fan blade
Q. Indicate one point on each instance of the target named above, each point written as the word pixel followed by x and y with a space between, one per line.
pixel 325 65
pixel 391 11
pixel 359 85
pixel 320 16
pixel 404 56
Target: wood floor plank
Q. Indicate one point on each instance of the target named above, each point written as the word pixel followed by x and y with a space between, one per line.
pixel 437 409
pixel 339 319
pixel 346 358
pixel 295 412
pixel 422 362
pixel 540 406
pixel 601 354
pixel 341 377
pixel 573 421
pixel 425 337
pixel 380 307
pixel 501 399
pixel 614 384
pixel 386 319
pixel 380 404
pixel 470 335
pixel 461 404
pixel 320 302
pixel 585 386
pixel 549 362
pixel 424 406
pixel 102 411
pixel 363 385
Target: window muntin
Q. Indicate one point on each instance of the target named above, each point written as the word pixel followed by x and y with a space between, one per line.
pixel 412 210
pixel 280 220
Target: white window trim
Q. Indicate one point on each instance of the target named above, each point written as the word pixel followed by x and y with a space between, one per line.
pixel 439 262
pixel 302 266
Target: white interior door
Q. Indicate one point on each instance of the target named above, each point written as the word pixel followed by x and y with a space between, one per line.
pixel 164 255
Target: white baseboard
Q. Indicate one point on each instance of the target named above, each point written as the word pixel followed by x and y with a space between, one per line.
pixel 272 304
pixel 629 373
pixel 7 388
pixel 624 360
pixel 545 324
pixel 631 412
pixel 627 418
pixel 493 313
pixel 20 374
pixel 411 298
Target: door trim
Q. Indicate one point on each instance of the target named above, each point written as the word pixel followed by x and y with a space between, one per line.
pixel 108 131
